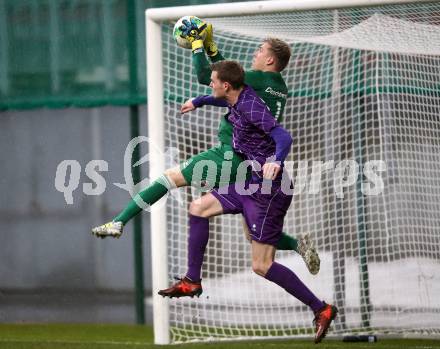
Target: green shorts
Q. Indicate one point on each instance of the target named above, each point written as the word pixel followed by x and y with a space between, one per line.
pixel 217 167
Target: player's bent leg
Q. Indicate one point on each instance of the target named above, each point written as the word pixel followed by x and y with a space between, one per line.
pixel 206 206
pixel 200 210
pixel 287 279
pixel 176 177
pixel 263 264
pixel 303 246
pixel 213 168
pixel 287 243
pixel 171 179
pixel 262 257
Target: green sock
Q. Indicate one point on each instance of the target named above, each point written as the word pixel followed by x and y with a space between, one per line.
pixel 287 242
pixel 154 192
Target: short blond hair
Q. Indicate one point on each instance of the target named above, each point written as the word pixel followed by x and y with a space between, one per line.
pixel 281 51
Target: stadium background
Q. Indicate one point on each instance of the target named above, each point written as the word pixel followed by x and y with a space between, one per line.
pixel 65 94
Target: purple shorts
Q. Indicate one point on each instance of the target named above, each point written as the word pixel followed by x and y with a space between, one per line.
pixel 264 213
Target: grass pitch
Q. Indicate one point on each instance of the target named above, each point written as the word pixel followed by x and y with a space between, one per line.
pixel 56 336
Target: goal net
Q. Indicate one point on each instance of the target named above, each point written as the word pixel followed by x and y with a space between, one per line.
pixel 364 94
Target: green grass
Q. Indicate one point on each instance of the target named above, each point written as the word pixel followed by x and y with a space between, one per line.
pixel 26 336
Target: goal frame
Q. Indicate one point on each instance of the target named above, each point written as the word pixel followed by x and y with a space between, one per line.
pixel 154 18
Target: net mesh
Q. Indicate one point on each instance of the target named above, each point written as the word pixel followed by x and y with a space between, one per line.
pixel 364 85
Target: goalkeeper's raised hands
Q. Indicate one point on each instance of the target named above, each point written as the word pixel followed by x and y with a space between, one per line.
pixel 199 36
pixel 193 33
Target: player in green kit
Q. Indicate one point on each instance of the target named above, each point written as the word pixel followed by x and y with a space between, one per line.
pixel 271 57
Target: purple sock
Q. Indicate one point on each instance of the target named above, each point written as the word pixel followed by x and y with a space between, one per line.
pixel 288 280
pixel 197 241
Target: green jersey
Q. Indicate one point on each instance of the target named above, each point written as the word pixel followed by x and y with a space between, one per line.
pixel 270 86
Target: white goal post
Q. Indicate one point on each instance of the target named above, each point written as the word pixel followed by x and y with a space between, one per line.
pixel 361 89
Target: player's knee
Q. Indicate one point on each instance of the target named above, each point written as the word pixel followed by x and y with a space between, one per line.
pixel 196 209
pixel 175 177
pixel 260 267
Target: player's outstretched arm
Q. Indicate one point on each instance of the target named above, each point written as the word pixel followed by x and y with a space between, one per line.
pixel 209 100
pixel 200 101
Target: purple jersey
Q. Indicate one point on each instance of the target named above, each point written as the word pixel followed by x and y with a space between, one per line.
pixel 256 133
pixel 252 122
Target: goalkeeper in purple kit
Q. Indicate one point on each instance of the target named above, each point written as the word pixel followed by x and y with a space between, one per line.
pixel 261 140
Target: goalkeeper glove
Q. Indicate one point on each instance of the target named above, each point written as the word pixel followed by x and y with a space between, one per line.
pixel 193 33
pixel 209 44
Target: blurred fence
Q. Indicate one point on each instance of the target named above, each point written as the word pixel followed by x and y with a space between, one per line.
pixel 58 53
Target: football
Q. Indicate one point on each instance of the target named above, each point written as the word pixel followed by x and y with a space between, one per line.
pixel 177 31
